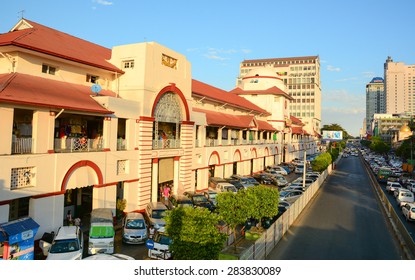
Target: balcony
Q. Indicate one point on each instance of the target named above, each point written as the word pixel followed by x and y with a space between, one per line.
pixel 166 144
pixel 82 144
pixel 22 146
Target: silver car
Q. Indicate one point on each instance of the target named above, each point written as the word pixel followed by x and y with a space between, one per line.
pixel 290 195
pixel 134 229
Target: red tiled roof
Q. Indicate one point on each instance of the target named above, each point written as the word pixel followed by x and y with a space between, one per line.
pixel 40 92
pixel 53 42
pixel 263 125
pixel 271 90
pixel 221 119
pixel 225 97
pixel 298 130
pixel 286 59
pixel 296 120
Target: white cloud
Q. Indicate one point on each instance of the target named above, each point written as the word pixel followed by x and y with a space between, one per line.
pixel 103 2
pixel 215 57
pixel 333 69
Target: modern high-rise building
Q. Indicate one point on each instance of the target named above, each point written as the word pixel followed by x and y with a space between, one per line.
pixel 301 76
pixel 375 100
pixel 399 87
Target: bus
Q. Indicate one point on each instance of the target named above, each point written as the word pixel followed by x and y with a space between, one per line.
pixel 383 174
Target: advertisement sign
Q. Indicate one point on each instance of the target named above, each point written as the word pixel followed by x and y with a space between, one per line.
pixel 332 135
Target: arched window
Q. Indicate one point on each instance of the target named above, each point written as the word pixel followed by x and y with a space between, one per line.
pixel 168 116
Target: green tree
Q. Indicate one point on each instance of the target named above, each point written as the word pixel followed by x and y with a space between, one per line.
pixel 264 201
pixel 234 209
pixel 194 234
pixel 379 146
pixel 321 162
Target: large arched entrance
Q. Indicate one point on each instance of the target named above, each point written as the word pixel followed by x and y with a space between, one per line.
pixel 78 186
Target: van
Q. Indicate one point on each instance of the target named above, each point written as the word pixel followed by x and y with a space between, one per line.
pixel 67 244
pixel 101 233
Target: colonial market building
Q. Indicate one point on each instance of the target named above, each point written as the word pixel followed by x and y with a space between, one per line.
pixel 83 125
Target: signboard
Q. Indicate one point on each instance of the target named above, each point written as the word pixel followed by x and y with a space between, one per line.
pixel 150 244
pixel 332 135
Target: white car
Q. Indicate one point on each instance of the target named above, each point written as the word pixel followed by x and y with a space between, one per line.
pixel 392 186
pixel 403 196
pixel 67 244
pixel 408 210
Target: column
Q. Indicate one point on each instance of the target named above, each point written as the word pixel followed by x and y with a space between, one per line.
pixel 154 179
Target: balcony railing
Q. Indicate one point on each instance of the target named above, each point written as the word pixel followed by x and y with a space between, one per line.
pixel 121 144
pixel 166 144
pixel 78 145
pixel 22 146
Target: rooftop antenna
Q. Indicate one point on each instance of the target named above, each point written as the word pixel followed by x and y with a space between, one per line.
pixel 21 13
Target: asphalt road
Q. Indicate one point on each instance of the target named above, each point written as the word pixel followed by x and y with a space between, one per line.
pixel 343 222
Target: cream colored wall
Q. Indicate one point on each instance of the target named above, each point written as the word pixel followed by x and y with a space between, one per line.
pixel 70 72
pixel 6 128
pixel 149 76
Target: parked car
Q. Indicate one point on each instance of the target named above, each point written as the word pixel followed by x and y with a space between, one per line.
pixel 294 187
pixel 244 180
pixel 236 183
pixel 214 181
pixel 67 244
pixel 134 228
pixel 263 178
pixel 299 168
pixel 179 201
pixel 155 213
pixel 299 180
pixel 278 169
pixel 289 165
pixel 279 180
pixel 392 186
pixel 408 210
pixel 226 187
pixel 199 200
pixel 290 195
pixel 211 196
pixel 404 196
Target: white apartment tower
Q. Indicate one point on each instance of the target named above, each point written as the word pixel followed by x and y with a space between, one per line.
pixel 399 87
pixel 375 101
pixel 301 76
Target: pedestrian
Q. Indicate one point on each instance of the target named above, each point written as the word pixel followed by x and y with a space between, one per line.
pixel 77 222
pixel 166 193
pixel 69 220
pixel 151 232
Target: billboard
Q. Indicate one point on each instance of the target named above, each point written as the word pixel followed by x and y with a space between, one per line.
pixel 332 135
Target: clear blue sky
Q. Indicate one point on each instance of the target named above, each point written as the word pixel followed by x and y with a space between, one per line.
pixel 353 38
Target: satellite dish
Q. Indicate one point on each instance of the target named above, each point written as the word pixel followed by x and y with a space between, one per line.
pixel 96 88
